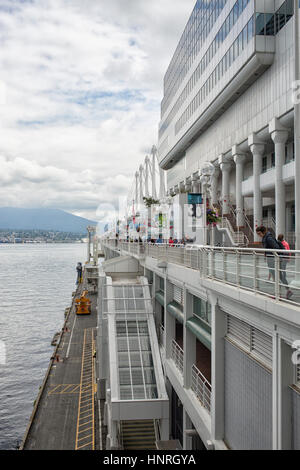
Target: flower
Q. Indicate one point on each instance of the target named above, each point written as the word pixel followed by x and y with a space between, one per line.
pixel 212 217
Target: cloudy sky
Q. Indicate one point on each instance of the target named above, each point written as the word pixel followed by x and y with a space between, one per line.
pixel 80 90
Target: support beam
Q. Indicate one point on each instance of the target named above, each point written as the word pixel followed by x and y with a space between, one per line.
pixel 279 136
pixel 257 149
pixel 239 160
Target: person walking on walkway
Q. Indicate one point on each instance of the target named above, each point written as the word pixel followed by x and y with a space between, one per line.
pixel 284 259
pixel 79 273
pixel 271 243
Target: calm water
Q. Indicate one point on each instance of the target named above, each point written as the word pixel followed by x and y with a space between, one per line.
pixel 36 285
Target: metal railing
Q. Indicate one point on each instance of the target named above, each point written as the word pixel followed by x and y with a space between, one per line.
pixel 177 356
pixel 273 273
pixel 201 387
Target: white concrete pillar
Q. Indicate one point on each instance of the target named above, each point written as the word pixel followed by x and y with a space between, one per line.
pixel 170 325
pixel 195 184
pixel 214 186
pixel 136 201
pixel 162 186
pixel 88 258
pixel 189 341
pixel 187 185
pixel 282 377
pixel 141 194
pixel 153 153
pixel 147 163
pixel 218 332
pixel 279 136
pixel 257 149
pixel 225 166
pixel 239 160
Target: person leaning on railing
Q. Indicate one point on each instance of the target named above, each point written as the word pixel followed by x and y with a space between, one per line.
pixel 271 243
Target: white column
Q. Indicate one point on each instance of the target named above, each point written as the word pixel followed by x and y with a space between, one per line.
pixel 225 166
pixel 187 185
pixel 162 186
pixel 147 162
pixel 282 377
pixel 214 187
pixel 141 194
pixel 195 184
pixel 239 160
pixel 257 149
pixel 218 332
pixel 89 247
pixel 170 328
pixel 153 153
pixel 279 136
pixel 136 190
pixel 189 341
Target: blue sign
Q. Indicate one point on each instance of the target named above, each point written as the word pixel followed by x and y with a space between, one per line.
pixel 195 198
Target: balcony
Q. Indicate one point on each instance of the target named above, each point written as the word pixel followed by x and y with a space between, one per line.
pixel 267 179
pixel 201 388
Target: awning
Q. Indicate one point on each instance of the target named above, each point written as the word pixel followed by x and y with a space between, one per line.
pixel 160 297
pixel 176 311
pixel 197 328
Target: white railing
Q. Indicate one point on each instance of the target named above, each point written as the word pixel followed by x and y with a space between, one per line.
pixel 238 238
pixel 276 275
pixel 177 355
pixel 270 223
pixel 201 387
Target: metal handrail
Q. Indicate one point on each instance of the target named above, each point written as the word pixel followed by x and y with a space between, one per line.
pixel 237 266
pixel 201 387
pixel 177 355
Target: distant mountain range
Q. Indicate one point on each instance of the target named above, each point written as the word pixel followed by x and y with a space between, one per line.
pixel 42 219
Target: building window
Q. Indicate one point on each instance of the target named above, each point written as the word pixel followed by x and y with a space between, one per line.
pixel 264 164
pixel 202 309
pixel 273 160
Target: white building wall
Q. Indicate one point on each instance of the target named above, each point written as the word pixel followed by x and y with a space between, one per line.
pixel 270 96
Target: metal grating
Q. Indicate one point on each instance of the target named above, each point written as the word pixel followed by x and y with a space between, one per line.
pixel 238 330
pixel 178 295
pixel 254 341
pixel 261 345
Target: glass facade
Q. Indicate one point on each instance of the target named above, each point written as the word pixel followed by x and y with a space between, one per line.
pixel 268 24
pixel 202 310
pixel 220 37
pixel 200 23
pixel 225 63
pixel 135 363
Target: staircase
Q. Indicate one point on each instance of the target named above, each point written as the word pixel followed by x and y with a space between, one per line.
pixel 138 435
pixel 242 237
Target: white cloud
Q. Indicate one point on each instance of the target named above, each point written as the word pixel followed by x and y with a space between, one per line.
pixel 81 84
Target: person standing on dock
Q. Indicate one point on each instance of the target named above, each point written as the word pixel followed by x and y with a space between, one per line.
pixel 79 273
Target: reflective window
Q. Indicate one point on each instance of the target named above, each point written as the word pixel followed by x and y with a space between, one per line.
pixel 223 32
pixel 230 56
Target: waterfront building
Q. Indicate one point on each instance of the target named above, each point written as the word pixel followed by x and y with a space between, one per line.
pixel 196 346
pixel 226 333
